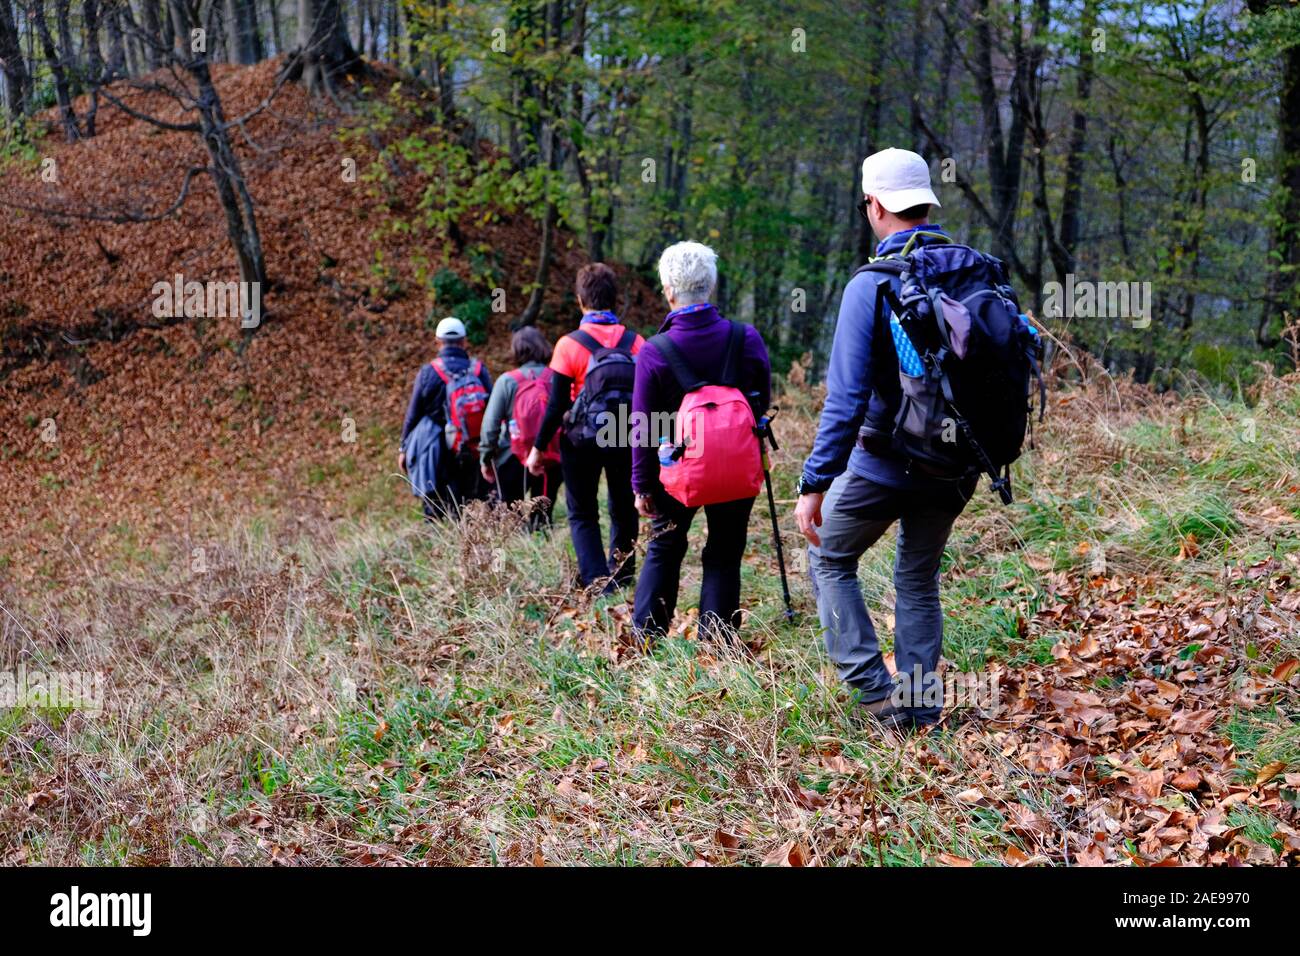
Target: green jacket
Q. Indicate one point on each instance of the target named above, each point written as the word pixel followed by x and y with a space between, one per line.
pixel 494 440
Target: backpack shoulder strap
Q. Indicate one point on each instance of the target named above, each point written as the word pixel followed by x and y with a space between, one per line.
pixel 518 375
pixel 478 368
pixel 735 353
pixel 586 340
pixel 891 265
pixel 687 380
pixel 626 340
pixel 441 369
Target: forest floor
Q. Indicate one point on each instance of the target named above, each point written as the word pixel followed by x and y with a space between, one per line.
pixel 298 670
pixel 376 690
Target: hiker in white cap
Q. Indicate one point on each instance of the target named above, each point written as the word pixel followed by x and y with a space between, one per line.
pixel 854 486
pixel 440 435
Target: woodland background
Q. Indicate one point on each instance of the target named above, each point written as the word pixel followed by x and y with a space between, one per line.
pixel 1115 140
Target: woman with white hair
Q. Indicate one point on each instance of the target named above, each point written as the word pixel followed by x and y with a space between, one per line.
pixel 702 339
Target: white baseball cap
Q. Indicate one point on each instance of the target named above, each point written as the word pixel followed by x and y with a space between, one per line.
pixel 450 328
pixel 898 178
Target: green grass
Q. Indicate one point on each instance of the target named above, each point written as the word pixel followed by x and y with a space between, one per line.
pixel 440 693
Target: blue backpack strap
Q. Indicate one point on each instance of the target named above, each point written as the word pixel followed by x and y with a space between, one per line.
pixel 626 340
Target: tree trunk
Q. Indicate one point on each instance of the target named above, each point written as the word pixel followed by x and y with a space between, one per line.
pixel 1005 150
pixel 920 53
pixel 869 129
pixel 441 71
pixel 1282 294
pixel 1072 199
pixel 541 276
pixel 94 60
pixel 224 167
pixel 154 42
pixel 276 36
pixel 55 62
pixel 552 159
pixel 394 34
pixel 241 32
pixel 117 63
pixel 18 82
pixel 325 54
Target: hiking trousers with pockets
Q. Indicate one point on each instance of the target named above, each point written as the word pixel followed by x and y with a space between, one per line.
pixel 855 513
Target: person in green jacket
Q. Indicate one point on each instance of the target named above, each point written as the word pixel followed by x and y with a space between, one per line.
pixel 499 464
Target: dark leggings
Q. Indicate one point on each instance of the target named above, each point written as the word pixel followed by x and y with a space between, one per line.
pixel 656 591
pixel 514 483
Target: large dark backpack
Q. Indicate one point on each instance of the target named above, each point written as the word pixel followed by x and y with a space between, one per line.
pixel 966 358
pixel 607 387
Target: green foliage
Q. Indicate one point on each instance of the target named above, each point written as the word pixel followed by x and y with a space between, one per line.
pixel 733 124
pixel 20 144
pixel 1229 366
pixel 453 296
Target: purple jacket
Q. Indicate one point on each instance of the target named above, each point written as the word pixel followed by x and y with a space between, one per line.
pixel 701 334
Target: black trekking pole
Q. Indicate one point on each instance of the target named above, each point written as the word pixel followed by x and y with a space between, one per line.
pixel 765 432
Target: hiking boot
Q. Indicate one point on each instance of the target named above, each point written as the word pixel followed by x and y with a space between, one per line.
pixel 888 714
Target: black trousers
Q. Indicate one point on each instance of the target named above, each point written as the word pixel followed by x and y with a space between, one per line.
pixel 514 483
pixel 656 590
pixel 459 481
pixel 582 468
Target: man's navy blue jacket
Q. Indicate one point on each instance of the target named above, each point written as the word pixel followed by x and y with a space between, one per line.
pixel 862 384
pixel 429 396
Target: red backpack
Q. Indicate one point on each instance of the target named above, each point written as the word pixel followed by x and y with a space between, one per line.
pixel 531 398
pixel 717 456
pixel 466 402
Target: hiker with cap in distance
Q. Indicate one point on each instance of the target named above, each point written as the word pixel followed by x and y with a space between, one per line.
pixel 714 377
pixel 917 405
pixel 440 435
pixel 591 393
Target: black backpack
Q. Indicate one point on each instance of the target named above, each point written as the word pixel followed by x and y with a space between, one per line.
pixel 611 371
pixel 966 357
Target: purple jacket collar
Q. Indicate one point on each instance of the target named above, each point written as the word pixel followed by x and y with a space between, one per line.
pixel 691 317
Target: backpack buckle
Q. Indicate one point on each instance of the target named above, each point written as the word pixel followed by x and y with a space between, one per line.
pixel 1002 486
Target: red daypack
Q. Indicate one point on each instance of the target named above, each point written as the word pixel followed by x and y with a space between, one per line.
pixel 466 402
pixel 717 456
pixel 531 398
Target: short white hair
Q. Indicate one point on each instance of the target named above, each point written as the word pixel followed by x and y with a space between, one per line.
pixel 690 269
